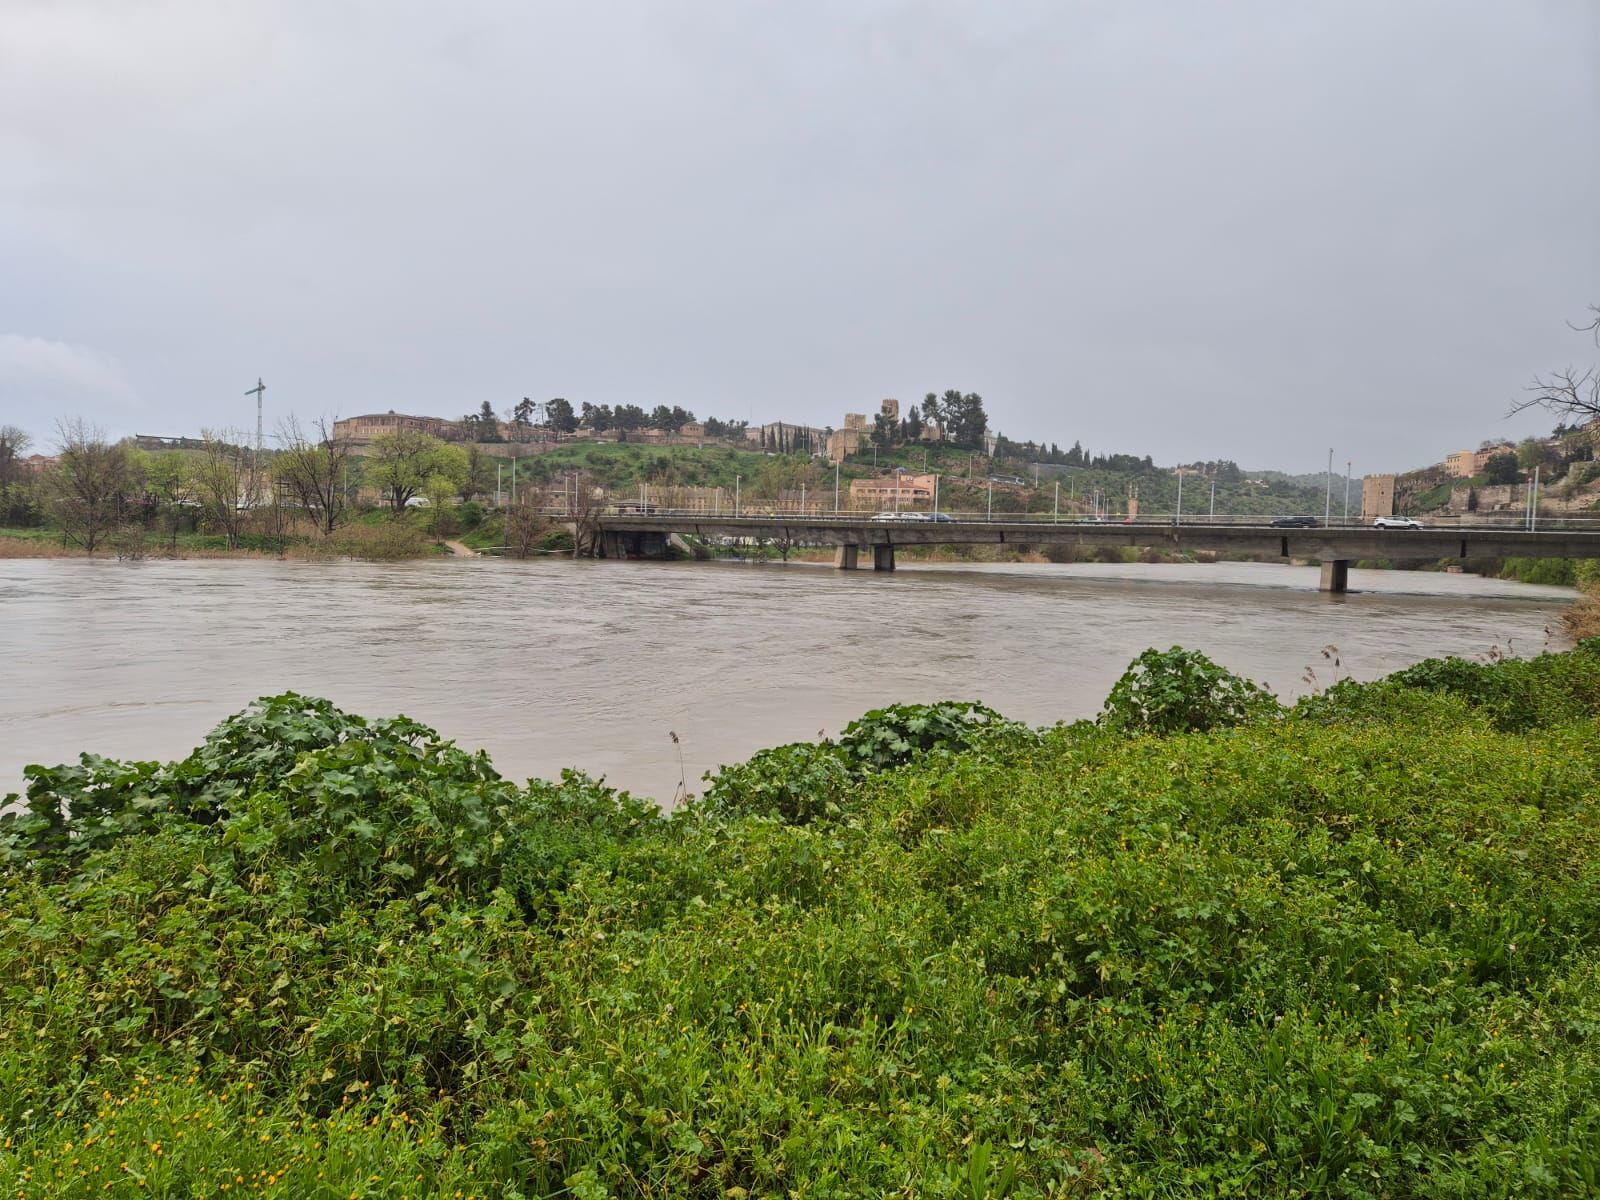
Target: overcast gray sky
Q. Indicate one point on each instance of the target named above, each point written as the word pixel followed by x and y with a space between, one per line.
pixel 1243 230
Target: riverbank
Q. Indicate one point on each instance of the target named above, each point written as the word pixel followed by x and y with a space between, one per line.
pixel 378 538
pixel 1347 949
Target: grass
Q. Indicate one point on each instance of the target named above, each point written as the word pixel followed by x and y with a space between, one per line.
pixel 1350 949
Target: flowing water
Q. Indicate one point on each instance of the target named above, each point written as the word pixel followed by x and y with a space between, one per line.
pixel 596 664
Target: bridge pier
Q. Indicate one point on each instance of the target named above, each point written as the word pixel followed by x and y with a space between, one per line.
pixel 1335 576
pixel 883 558
pixel 845 559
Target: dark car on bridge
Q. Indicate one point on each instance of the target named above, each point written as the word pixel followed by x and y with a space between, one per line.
pixel 1300 522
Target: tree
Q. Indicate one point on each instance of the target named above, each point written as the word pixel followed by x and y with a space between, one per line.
pixel 559 416
pixel 964 419
pixel 402 461
pixel 479 477
pixel 883 431
pixel 522 415
pixel 225 481
pixel 914 424
pixel 1502 468
pixel 315 470
pixel 628 417
pixel 86 490
pixel 14 444
pixel 169 479
pixel 931 412
pixel 1570 394
pixel 597 416
pixel 525 523
pixel 584 506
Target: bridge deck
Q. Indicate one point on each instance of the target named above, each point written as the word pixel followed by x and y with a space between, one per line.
pixel 1331 543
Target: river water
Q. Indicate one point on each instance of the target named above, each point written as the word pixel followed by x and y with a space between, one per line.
pixel 596 664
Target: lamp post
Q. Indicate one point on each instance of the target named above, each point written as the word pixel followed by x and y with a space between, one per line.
pixel 1327 500
pixel 735 495
pixel 497 469
pixel 990 516
pixel 836 487
pixel 1213 515
pixel 935 493
pixel 1055 513
pixel 1347 491
pixel 1178 517
pixel 513 479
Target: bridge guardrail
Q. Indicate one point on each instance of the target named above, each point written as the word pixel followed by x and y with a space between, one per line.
pixel 1151 520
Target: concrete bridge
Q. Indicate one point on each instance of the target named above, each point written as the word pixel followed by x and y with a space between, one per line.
pixel 1336 547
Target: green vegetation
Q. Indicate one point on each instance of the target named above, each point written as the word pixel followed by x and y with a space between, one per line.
pixel 1346 949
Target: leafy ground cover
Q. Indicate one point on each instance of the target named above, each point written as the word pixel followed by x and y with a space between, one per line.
pixel 1203 946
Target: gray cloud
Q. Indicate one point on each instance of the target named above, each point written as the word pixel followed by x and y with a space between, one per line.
pixel 1249 230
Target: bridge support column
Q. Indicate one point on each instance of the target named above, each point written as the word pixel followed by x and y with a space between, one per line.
pixel 1335 576
pixel 883 558
pixel 845 559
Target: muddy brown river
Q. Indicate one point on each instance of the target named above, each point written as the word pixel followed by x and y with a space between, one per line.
pixel 595 664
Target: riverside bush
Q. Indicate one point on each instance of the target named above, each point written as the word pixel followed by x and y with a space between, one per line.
pixel 1326 955
pixel 807 781
pixel 1180 690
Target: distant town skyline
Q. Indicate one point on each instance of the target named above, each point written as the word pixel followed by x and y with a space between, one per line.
pixel 1194 233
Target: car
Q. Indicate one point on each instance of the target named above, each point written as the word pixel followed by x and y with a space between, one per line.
pixel 940 516
pixel 899 516
pixel 1296 522
pixel 1397 523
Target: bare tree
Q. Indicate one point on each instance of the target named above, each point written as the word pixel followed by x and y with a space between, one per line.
pixel 584 503
pixel 526 522
pixel 225 481
pixel 87 489
pixel 1570 394
pixel 315 469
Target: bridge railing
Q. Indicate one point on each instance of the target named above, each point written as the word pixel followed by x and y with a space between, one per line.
pixel 761 514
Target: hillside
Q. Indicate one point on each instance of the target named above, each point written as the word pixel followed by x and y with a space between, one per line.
pixel 1203 947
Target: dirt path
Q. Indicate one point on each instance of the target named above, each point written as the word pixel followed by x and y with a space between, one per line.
pixel 456 547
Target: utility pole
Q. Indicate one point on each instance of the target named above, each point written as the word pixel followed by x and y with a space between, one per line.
pixel 255 459
pixel 990 517
pixel 1178 520
pixel 498 467
pixel 835 487
pixel 1347 491
pixel 1055 514
pixel 1213 515
pixel 935 493
pixel 1327 500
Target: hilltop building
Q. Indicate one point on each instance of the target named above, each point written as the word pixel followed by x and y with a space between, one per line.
pixel 890 491
pixel 1464 464
pixel 363 430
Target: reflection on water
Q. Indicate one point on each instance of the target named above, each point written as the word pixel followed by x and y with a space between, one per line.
pixel 591 664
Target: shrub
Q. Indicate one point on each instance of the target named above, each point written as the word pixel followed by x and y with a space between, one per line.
pixel 797 784
pixel 1178 691
pixel 891 737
